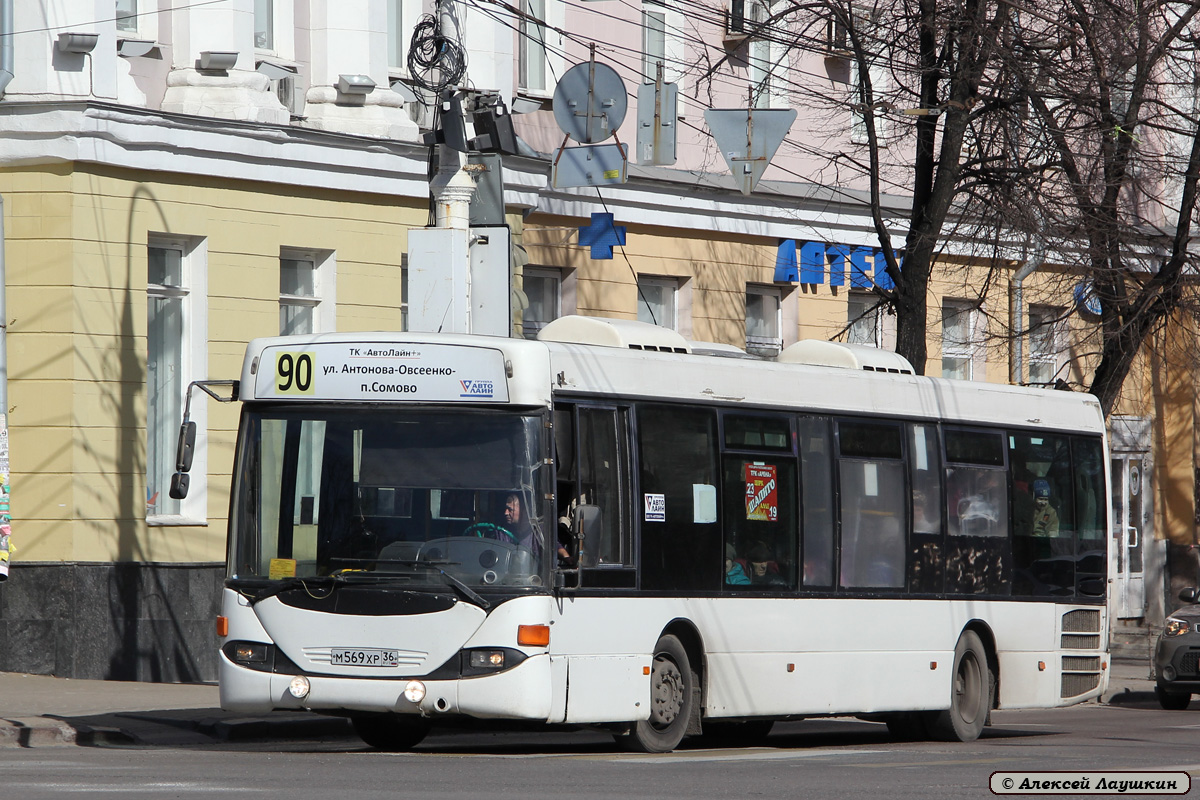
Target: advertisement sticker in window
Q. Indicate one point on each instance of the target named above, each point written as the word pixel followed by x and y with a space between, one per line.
pixel 762 501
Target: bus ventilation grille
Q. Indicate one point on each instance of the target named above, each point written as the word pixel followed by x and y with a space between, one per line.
pixel 1078 641
pixel 1077 683
pixel 1081 620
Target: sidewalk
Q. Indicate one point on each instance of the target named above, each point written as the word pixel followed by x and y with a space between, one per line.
pixel 40 711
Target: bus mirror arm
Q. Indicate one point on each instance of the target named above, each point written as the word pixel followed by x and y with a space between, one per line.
pixel 585 525
pixel 186 448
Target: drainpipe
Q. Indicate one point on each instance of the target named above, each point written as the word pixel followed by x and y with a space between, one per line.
pixel 7 33
pixel 1031 265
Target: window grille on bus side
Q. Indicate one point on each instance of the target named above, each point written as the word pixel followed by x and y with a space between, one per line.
pixel 1081 620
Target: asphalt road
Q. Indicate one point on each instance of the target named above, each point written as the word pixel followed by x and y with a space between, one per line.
pixel 840 758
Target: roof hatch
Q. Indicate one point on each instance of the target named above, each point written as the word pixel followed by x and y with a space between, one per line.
pixel 607 332
pixel 846 356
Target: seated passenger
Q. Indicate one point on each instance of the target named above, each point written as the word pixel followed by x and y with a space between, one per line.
pixel 763 569
pixel 1045 518
pixel 735 574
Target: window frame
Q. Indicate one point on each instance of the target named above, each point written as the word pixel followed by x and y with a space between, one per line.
pixel 322 300
pixel 192 291
pixel 967 350
pixel 1046 325
pixel 765 345
pixel 660 282
pixel 540 273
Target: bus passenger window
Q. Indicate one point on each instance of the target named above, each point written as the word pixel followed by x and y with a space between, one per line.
pixel 926 542
pixel 678 451
pixel 977 550
pixel 1042 515
pixel 873 508
pixel 816 469
pixel 1091 558
pixel 760 523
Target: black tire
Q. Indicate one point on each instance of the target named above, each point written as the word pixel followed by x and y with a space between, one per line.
pixel 671 701
pixel 970 694
pixel 736 734
pixel 390 732
pixel 1172 701
pixel 908 726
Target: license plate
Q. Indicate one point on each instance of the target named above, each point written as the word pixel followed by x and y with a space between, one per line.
pixel 363 657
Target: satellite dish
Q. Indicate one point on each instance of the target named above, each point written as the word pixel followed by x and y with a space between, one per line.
pixel 590 102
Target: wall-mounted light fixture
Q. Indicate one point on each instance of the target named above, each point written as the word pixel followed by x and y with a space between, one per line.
pixel 77 42
pixel 135 48
pixel 218 59
pixel 355 84
pixel 407 94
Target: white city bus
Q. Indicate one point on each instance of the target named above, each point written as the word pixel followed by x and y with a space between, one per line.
pixel 700 545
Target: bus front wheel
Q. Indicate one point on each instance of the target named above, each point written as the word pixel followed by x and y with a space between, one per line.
pixel 970 694
pixel 671 701
pixel 389 732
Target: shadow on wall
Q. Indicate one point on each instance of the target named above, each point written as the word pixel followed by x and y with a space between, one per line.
pixel 130 619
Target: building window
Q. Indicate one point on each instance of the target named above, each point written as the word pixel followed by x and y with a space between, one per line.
pixel 1046 343
pixel 264 24
pixel 959 339
pixel 175 355
pixel 395 34
pixel 863 320
pixel 767 59
pixel 304 283
pixel 127 19
pixel 531 54
pixel 656 300
pixel 654 39
pixel 764 307
pixel 543 289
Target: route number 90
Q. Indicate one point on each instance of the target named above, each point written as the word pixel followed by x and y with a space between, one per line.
pixel 294 373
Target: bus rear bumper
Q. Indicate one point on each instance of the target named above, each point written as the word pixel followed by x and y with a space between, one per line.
pixel 522 692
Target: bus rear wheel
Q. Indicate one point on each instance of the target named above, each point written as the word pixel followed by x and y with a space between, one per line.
pixel 389 732
pixel 671 701
pixel 970 694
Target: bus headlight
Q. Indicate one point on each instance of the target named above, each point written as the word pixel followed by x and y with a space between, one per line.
pixel 1176 627
pixel 299 687
pixel 487 659
pixel 414 692
pixel 250 653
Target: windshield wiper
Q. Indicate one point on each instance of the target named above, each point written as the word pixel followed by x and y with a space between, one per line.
pixel 256 592
pixel 463 588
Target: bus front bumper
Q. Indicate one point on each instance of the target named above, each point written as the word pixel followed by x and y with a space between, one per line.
pixel 522 692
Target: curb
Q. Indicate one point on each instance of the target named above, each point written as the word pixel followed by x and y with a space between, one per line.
pixel 144 730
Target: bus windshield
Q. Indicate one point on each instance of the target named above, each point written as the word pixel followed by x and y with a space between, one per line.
pixel 418 497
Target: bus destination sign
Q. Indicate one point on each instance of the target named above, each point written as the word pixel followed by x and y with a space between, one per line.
pixel 368 371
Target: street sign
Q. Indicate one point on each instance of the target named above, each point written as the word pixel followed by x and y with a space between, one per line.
pixel 590 102
pixel 591 165
pixel 656 128
pixel 748 138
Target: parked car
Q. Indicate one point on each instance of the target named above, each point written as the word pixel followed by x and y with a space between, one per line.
pixel 1177 655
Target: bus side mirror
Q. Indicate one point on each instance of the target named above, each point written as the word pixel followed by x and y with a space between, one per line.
pixel 186 447
pixel 585 525
pixel 180 482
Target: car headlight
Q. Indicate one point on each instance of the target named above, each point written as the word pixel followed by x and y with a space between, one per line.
pixel 1176 627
